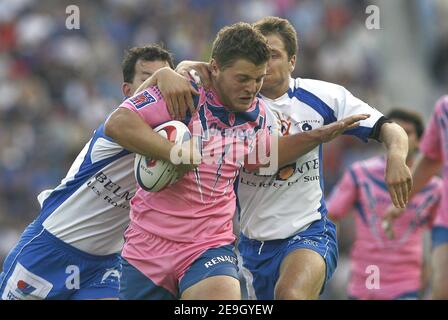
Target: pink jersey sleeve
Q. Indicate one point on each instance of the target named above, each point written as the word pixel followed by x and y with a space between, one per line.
pixel 343 196
pixel 150 106
pixel 430 144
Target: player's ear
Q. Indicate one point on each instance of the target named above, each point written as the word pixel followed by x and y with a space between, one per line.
pixel 292 63
pixel 214 68
pixel 126 89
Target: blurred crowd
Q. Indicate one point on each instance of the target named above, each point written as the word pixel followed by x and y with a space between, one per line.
pixel 57 84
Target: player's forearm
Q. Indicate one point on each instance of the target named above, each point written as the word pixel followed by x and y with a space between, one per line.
pixel 152 80
pixel 423 169
pixel 395 140
pixel 292 147
pixel 201 68
pixel 133 134
pixel 187 65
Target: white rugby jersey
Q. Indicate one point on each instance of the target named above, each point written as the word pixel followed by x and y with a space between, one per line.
pixel 278 206
pixel 89 209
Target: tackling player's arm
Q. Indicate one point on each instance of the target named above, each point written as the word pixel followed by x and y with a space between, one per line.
pixel 398 175
pixel 292 147
pixel 129 128
pixel 201 69
pixel 176 89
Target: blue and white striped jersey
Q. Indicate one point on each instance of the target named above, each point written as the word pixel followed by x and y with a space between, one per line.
pixel 89 209
pixel 278 206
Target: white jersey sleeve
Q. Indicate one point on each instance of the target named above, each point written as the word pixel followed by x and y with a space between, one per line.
pixel 336 103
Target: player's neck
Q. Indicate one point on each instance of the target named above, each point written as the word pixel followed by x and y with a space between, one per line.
pixel 217 94
pixel 274 92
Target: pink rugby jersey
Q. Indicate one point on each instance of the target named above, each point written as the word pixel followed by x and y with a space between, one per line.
pixel 434 145
pixel 199 207
pixel 399 260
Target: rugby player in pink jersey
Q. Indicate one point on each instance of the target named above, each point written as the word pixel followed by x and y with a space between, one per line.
pixel 180 240
pixel 433 158
pixel 384 267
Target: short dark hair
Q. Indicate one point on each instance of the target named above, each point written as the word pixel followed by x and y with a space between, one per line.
pixel 408 116
pixel 240 41
pixel 282 27
pixel 153 52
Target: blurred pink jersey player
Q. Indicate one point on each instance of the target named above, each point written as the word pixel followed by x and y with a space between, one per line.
pixel 434 145
pixel 398 260
pixel 434 148
pixel 196 212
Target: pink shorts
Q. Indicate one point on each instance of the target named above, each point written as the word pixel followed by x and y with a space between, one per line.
pixel 165 262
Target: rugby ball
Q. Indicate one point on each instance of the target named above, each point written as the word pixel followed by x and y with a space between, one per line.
pixel 154 175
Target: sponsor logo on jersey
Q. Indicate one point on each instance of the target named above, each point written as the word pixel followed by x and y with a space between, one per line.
pixel 24 288
pixel 143 99
pixel 286 172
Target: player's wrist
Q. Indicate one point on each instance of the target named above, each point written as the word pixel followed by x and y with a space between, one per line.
pixel 396 155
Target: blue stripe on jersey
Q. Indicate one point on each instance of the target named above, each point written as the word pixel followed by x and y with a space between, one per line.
pixel 314 102
pixel 187 119
pixel 375 180
pixel 100 133
pixel 235 189
pixel 361 212
pixel 362 133
pixel 204 123
pixel 86 171
pixel 322 209
pixel 326 112
pixel 358 206
pixel 240 117
pixel 429 187
pixel 354 178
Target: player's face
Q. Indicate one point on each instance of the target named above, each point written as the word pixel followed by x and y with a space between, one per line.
pixel 143 70
pixel 238 84
pixel 412 135
pixel 280 67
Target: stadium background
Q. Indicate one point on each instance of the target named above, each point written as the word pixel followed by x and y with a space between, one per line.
pixel 57 85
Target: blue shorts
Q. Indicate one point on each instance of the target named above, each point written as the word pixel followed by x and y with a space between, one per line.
pixel 42 266
pixel 439 236
pixel 134 285
pixel 262 259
